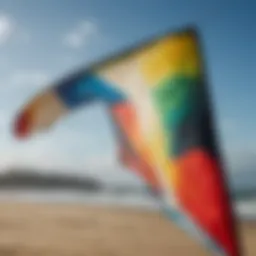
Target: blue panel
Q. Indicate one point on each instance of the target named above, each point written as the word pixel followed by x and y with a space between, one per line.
pixel 87 89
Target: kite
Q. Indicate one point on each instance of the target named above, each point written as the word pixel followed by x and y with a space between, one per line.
pixel 158 101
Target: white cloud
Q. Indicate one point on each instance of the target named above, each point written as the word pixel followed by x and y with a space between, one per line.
pixel 11 29
pixel 81 34
pixel 7 28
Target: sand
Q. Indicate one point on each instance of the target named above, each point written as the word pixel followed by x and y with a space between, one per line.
pixel 77 230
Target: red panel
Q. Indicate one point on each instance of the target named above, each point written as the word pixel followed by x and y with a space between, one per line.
pixel 126 120
pixel 139 165
pixel 202 193
pixel 22 125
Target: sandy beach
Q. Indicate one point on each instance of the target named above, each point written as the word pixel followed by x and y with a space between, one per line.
pixel 77 230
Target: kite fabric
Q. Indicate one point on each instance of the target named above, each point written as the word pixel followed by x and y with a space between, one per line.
pixel 158 101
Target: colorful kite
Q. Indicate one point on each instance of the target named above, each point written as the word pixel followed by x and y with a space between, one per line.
pixel 158 100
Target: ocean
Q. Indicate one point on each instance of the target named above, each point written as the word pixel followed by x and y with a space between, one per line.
pixel 245 209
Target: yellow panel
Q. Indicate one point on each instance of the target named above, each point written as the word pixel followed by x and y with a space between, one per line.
pixel 170 56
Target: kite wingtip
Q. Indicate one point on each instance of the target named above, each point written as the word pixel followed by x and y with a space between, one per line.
pixel 192 29
pixel 21 127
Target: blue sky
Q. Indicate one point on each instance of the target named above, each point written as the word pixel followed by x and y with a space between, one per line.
pixel 42 40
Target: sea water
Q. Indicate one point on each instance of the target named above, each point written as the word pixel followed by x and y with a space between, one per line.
pixel 78 197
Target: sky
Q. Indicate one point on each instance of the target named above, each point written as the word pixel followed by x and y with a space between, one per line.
pixel 40 41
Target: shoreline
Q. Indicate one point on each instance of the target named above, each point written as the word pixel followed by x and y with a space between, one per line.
pixel 151 205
